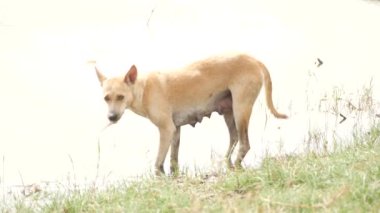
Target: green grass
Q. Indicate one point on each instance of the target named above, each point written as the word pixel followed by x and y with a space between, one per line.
pixel 347 180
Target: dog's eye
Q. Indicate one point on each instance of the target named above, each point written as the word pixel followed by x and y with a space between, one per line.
pixel 120 97
pixel 107 98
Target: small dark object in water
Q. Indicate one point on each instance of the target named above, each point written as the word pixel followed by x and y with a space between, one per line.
pixel 318 62
pixel 343 118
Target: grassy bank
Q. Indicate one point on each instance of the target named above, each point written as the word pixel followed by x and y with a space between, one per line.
pixel 347 180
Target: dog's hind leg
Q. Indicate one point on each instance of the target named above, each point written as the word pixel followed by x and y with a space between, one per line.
pixel 230 121
pixel 174 151
pixel 243 100
pixel 244 145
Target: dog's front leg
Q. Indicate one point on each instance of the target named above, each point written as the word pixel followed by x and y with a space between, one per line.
pixel 167 133
pixel 174 151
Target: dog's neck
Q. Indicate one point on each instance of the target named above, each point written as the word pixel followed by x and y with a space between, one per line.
pixel 138 95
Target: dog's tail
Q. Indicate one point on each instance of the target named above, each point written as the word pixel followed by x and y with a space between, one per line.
pixel 268 93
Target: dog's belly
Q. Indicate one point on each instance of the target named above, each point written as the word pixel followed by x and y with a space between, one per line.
pixel 221 103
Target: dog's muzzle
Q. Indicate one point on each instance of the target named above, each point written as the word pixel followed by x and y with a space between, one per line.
pixel 113 117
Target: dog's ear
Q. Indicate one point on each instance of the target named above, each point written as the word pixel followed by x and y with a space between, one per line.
pixel 131 76
pixel 101 77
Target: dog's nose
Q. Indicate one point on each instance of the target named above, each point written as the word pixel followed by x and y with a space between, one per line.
pixel 112 117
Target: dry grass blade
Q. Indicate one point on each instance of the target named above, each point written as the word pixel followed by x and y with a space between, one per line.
pixel 324 204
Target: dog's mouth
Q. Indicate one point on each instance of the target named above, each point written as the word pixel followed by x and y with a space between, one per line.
pixel 113 117
pixel 112 122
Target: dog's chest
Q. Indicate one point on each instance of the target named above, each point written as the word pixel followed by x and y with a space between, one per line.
pixel 221 103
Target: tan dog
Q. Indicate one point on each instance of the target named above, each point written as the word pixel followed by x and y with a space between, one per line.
pixel 227 85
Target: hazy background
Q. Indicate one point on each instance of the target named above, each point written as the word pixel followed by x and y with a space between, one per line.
pixel 52 111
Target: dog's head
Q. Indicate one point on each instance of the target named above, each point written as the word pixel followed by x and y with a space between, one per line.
pixel 117 92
